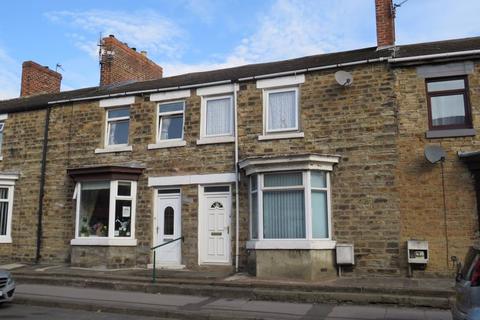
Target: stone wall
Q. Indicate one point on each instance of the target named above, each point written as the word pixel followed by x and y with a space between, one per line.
pixel 359 124
pixel 420 182
pixel 21 153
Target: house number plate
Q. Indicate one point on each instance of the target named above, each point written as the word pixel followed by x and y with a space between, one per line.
pixel 215 233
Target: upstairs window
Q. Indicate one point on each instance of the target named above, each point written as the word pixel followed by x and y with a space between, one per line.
pixel 118 122
pixel 170 121
pixel 448 103
pixel 281 110
pixel 218 116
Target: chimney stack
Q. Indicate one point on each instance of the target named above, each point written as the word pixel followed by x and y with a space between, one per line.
pixel 120 63
pixel 38 79
pixel 385 17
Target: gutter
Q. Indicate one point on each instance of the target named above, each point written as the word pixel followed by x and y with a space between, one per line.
pixel 434 56
pixel 42 186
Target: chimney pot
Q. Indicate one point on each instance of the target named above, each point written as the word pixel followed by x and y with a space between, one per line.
pixel 385 20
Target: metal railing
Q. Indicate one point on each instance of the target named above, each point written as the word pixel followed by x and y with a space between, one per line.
pixel 154 275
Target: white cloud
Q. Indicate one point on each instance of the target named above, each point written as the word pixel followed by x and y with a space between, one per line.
pixel 144 29
pixel 9 77
pixel 291 29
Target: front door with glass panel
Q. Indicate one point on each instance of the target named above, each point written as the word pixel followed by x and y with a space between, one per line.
pixel 215 225
pixel 169 228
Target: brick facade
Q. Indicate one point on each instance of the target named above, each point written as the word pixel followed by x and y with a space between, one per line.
pixel 383 191
pixel 38 79
pixel 385 20
pixel 120 63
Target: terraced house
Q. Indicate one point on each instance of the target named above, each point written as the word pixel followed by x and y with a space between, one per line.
pixel 266 168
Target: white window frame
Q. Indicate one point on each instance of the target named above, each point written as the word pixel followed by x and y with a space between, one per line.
pixel 109 240
pixel 266 98
pixel 7 237
pixel 203 127
pixel 170 113
pixel 117 119
pixel 306 187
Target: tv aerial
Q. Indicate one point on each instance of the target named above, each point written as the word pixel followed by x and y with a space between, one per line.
pixel 434 153
pixel 344 78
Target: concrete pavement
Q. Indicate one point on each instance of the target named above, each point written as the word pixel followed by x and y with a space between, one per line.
pixel 196 307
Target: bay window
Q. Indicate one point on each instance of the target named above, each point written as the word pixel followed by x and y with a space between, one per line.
pixel 105 210
pixel 290 205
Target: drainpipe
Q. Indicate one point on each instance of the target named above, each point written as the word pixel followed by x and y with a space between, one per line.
pixel 237 219
pixel 42 186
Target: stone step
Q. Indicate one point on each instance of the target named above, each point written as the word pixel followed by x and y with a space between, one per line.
pixel 271 292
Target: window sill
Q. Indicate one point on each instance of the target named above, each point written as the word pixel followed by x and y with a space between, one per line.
pixel 450 133
pixel 114 149
pixel 213 140
pixel 276 136
pixel 5 239
pixel 99 241
pixel 291 244
pixel 167 144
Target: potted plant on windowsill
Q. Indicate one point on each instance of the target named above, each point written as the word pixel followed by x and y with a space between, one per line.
pixel 84 229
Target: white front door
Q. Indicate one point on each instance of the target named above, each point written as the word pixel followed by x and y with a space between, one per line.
pixel 214 235
pixel 169 228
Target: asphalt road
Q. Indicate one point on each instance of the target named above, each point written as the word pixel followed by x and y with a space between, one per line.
pixel 15 311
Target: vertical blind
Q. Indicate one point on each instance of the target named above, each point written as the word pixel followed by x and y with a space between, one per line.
pixel 219 117
pixel 283 214
pixel 319 214
pixel 281 110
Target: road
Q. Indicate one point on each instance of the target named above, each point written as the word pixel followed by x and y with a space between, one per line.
pixel 15 311
pixel 137 305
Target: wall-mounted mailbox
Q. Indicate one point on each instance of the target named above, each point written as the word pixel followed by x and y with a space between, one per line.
pixel 345 254
pixel 417 251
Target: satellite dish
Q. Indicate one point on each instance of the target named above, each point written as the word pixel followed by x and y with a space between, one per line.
pixel 344 78
pixel 434 153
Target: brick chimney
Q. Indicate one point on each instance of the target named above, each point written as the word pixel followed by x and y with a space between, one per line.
pixel 120 63
pixel 38 79
pixel 385 16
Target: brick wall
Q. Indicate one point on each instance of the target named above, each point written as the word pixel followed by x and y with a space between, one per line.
pixel 37 79
pixel 120 63
pixel 385 20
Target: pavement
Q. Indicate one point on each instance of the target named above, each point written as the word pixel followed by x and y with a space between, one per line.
pixel 408 292
pixel 174 306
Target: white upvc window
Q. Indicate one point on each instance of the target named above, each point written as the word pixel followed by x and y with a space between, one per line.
pixel 217 116
pixel 281 111
pixel 6 204
pixel 117 127
pixel 105 210
pixel 170 121
pixel 290 206
pixel 2 126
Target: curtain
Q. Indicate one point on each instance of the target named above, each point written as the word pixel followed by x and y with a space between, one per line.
pixel 319 214
pixel 3 212
pixel 448 110
pixel 118 132
pixel 283 214
pixel 219 117
pixel 281 110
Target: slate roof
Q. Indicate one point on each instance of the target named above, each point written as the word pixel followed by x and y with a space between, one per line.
pixel 419 49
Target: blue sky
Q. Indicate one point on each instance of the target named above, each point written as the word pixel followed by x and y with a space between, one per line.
pixel 191 35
